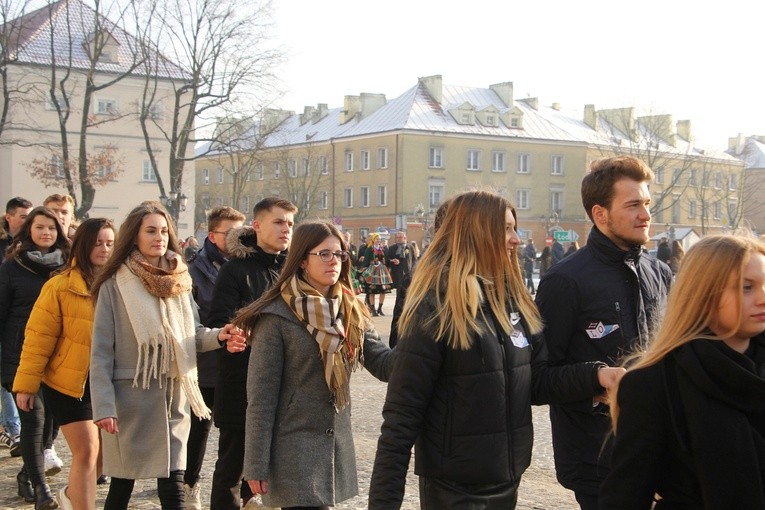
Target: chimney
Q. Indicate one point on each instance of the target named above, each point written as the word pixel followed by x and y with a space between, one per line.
pixel 308 113
pixel 737 144
pixel 683 130
pixel 351 106
pixel 622 119
pixel 661 126
pixel 272 118
pixel 370 103
pixel 320 112
pixel 435 87
pixel 504 91
pixel 532 101
pixel 591 116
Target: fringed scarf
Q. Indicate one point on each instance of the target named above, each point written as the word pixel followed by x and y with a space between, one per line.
pixel 156 300
pixel 337 326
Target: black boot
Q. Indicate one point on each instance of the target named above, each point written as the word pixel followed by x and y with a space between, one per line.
pixel 25 487
pixel 44 499
pixel 379 311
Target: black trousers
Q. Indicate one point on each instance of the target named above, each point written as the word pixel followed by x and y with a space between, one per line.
pixel 37 433
pixel 398 307
pixel 170 491
pixel 440 494
pixel 227 484
pixel 197 443
pixel 586 501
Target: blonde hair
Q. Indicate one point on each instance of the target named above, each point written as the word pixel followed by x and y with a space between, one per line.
pixel 465 264
pixel 695 296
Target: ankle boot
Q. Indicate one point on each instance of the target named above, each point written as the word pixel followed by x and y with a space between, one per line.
pixel 25 487
pixel 379 310
pixel 44 499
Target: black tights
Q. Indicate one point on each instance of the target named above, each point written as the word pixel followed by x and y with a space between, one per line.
pixel 170 492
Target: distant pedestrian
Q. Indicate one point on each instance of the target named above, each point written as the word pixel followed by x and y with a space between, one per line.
pixel 309 332
pixel 676 256
pixel 401 260
pixel 663 251
pixel 376 276
pixel 557 252
pixel 689 416
pixel 572 248
pixel 545 261
pixel 143 370
pixel 56 357
pixel 529 258
pixel 190 249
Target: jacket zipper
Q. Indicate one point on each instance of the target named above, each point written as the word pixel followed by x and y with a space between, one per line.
pixel 508 424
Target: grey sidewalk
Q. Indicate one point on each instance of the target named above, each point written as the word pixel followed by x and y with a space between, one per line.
pixel 539 489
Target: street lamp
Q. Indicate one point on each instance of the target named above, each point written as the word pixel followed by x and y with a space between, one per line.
pixel 175 203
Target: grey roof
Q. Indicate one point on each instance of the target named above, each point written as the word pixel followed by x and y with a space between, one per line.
pixel 753 154
pixel 31 37
pixel 416 110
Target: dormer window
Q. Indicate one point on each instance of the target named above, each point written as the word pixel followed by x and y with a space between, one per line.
pixel 103 47
pixel 490 121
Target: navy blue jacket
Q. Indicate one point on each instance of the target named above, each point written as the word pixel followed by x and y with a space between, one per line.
pixel 599 304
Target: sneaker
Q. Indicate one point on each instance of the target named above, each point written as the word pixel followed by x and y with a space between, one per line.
pixel 53 463
pixel 11 442
pixel 192 496
pixel 103 480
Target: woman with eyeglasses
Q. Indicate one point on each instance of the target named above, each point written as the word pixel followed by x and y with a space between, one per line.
pixel 308 333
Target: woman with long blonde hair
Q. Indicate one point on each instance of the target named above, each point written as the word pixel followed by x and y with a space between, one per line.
pixel 471 361
pixel 689 416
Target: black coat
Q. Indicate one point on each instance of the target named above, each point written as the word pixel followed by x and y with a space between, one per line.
pixel 597 305
pixel 468 412
pixel 401 273
pixel 691 429
pixel 20 283
pixel 243 279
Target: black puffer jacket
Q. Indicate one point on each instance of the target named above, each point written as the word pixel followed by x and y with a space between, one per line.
pixel 21 280
pixel 469 411
pixel 244 278
pixel 598 304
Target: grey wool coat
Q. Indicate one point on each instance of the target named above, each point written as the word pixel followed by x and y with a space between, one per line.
pixel 294 438
pixel 153 423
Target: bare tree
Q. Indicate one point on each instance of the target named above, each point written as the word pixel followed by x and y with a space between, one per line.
pixel 221 45
pixel 305 176
pixel 13 18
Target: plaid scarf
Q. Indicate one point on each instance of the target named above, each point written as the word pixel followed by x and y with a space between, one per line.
pixel 340 343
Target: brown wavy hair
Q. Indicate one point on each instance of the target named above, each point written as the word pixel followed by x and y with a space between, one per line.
pixel 23 240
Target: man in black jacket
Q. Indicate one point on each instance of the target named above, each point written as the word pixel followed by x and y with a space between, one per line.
pixel 16 211
pixel 600 304
pixel 256 255
pixel 400 259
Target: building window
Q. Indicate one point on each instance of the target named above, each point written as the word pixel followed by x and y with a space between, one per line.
pixel 306 167
pixel 348 197
pixel 490 120
pixel 220 176
pixel 107 107
pixel 348 161
pixel 675 209
pixel 277 170
pixel 705 178
pixel 259 171
pixel 515 122
pixel 660 175
pixel 692 177
pixel 323 200
pixel 382 157
pixel 556 201
pixel 436 158
pixel 522 198
pixel 717 210
pixel 733 181
pixel 692 209
pixel 50 106
pixel 365 160
pixel 104 170
pixel 557 165
pixel 292 168
pixel 323 165
pixel 205 176
pixel 245 202
pixel 473 159
pixel 435 194
pixel 382 195
pixel 524 163
pixel 658 216
pixel 148 174
pixel 364 196
pixel 718 180
pixel 363 233
pixel 676 173
pixel 498 161
pixel 732 211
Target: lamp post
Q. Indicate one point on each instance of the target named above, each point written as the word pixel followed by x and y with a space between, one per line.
pixel 175 204
pixel 423 216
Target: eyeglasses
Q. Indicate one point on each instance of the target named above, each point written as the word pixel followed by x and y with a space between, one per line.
pixel 224 232
pixel 326 255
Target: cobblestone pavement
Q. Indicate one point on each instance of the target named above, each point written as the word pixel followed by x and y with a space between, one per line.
pixel 539 489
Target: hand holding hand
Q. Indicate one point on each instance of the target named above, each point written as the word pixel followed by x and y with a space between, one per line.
pixel 234 338
pixel 108 424
pixel 258 486
pixel 609 377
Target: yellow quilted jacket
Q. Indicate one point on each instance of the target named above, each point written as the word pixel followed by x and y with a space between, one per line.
pixel 57 338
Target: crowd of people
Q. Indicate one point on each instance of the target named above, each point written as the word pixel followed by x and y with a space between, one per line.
pixel 135 345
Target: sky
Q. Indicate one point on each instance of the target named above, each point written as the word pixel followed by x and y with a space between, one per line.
pixel 697 60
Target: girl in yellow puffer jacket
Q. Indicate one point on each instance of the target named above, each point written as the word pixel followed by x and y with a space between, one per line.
pixel 56 357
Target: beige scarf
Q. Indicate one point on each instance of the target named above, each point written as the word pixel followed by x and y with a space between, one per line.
pixel 341 345
pixel 157 303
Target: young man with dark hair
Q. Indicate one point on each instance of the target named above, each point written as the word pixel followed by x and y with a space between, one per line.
pixel 256 255
pixel 204 271
pixel 16 210
pixel 600 304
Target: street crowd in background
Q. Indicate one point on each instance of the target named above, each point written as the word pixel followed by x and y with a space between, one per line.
pixel 134 344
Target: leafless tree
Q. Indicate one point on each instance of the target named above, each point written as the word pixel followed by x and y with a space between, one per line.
pixel 222 47
pixel 12 16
